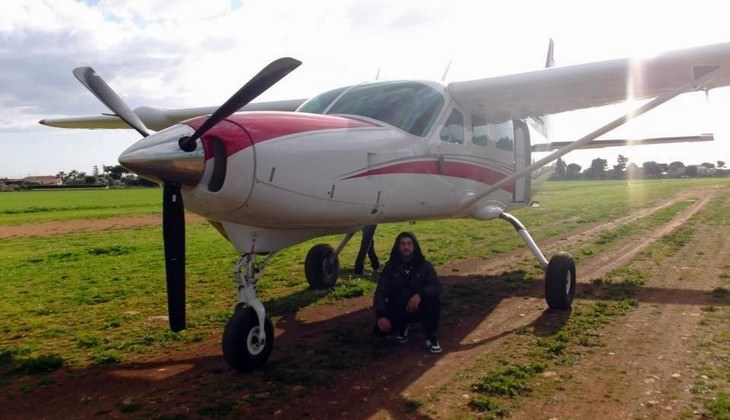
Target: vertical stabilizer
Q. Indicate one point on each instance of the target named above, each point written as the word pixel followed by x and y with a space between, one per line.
pixel 549 60
pixel 541 123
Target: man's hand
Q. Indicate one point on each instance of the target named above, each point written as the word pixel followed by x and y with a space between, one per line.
pixel 413 303
pixel 384 324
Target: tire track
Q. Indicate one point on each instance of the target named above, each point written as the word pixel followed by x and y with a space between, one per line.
pixel 508 261
pixel 648 360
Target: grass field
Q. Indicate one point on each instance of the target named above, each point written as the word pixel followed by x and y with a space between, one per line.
pixel 95 298
pixel 37 206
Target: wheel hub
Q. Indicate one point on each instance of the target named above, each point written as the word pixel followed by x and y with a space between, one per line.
pixel 255 341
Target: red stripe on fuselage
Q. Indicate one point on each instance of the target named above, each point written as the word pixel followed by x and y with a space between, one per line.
pixel 433 167
pixel 258 127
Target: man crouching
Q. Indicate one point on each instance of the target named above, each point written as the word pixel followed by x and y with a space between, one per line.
pixel 408 291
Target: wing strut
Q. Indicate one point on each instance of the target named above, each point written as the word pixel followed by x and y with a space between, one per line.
pixel 702 77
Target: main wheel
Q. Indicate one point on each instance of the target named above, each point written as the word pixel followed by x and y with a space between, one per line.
pixel 245 346
pixel 321 267
pixel 560 281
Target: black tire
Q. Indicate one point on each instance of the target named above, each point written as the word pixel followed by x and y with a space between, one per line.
pixel 560 281
pixel 321 267
pixel 240 340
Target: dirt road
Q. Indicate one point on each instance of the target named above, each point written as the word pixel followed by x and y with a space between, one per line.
pixel 645 361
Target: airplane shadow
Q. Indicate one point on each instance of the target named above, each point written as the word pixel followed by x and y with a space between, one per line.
pixel 322 368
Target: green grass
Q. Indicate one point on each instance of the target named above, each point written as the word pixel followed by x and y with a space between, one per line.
pixel 44 206
pixel 94 297
pixel 720 407
pixel 510 382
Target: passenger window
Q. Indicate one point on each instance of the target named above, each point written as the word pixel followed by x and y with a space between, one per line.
pixel 505 135
pixel 479 131
pixel 453 131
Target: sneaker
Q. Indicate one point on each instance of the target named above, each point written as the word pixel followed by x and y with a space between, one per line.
pixel 401 337
pixel 433 345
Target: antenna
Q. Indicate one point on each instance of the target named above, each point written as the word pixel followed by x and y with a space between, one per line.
pixel 377 75
pixel 448 66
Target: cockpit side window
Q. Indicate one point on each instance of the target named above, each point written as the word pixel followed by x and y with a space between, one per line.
pixel 453 130
pixel 319 104
pixel 479 131
pixel 505 135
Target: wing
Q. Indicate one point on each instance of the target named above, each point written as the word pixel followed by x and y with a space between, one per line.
pixel 547 147
pixel 560 89
pixel 160 118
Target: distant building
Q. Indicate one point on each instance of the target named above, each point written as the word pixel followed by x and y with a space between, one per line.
pixel 44 181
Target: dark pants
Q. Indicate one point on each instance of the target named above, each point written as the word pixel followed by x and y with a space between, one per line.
pixel 428 314
pixel 367 246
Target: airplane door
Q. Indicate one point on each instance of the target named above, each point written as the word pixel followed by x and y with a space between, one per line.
pixel 521 191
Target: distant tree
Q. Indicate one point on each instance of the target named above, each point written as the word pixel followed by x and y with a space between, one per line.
pixel 707 165
pixel 720 164
pixel 95 170
pixel 561 169
pixel 597 169
pixel 676 169
pixel 90 180
pixel 620 167
pixel 651 169
pixel 691 170
pixel 115 172
pixel 633 171
pixel 572 171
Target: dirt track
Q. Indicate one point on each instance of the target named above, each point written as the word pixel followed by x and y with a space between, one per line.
pixel 326 365
pixel 73 226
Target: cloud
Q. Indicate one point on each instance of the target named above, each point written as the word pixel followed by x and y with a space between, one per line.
pixel 196 53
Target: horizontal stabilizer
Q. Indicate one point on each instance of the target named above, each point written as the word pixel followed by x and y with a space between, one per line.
pixel 598 144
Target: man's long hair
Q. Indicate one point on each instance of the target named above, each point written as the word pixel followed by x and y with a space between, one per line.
pixel 416 260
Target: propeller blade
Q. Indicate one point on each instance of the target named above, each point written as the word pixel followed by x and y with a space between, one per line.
pixel 96 85
pixel 266 78
pixel 173 233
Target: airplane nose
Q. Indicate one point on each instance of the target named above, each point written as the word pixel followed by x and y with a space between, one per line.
pixel 159 157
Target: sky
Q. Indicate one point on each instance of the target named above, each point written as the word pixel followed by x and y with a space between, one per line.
pixel 193 53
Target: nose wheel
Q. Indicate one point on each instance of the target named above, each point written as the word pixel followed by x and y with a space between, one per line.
pixel 249 335
pixel 245 346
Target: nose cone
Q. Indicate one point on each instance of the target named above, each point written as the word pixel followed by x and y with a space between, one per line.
pixel 159 158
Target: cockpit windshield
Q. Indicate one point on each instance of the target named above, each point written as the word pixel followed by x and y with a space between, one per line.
pixel 411 106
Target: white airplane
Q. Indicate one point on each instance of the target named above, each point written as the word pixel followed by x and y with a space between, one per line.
pixel 279 173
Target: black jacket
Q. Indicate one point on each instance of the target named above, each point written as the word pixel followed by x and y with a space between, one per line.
pixel 400 281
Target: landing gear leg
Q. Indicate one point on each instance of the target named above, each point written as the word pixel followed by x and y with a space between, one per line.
pixel 249 335
pixel 559 271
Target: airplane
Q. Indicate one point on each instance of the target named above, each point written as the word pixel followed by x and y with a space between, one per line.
pixel 273 174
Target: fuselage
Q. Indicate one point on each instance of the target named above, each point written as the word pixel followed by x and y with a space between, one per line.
pixel 373 153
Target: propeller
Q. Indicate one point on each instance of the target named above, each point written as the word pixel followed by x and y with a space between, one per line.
pixel 173 234
pixel 266 78
pixel 96 85
pixel 173 211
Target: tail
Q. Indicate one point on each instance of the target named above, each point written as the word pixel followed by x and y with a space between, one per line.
pixel 542 122
pixel 549 61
